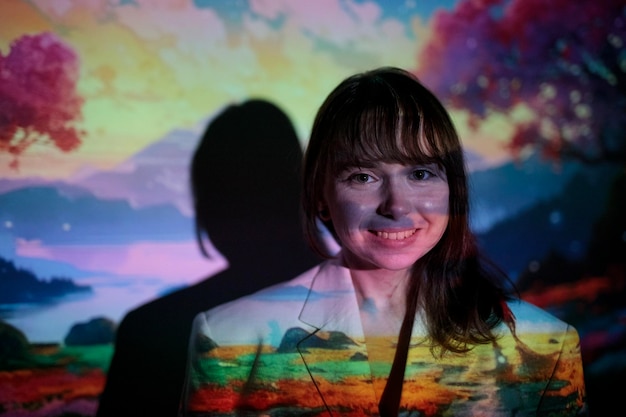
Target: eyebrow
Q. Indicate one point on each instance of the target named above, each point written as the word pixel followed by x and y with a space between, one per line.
pixel 369 164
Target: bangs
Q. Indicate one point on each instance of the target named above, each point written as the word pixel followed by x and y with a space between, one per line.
pixel 389 128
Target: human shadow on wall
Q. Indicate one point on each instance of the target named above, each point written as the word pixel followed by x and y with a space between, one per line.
pixel 246 189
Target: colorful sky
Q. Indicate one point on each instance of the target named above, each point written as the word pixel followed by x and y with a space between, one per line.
pixel 154 71
pixel 149 66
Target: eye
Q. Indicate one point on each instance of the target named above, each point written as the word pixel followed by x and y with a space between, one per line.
pixel 421 174
pixel 361 178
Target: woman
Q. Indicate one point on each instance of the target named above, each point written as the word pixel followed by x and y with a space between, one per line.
pixel 407 318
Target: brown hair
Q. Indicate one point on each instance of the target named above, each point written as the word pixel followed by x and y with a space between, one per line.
pixel 387 115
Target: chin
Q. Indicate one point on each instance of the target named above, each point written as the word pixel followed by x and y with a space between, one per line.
pixel 399 264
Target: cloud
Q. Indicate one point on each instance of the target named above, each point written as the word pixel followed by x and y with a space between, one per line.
pixel 345 25
pixel 179 24
pixel 173 262
pixel 148 67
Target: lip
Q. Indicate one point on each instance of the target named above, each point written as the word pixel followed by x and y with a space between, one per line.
pixel 394 235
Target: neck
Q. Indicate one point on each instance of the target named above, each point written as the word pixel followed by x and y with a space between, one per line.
pixel 385 289
pixel 381 295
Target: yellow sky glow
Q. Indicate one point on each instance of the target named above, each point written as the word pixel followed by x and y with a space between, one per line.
pixel 148 70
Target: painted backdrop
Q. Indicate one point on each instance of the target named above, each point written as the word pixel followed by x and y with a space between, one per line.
pixel 103 101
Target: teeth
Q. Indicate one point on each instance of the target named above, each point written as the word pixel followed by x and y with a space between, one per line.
pixel 396 235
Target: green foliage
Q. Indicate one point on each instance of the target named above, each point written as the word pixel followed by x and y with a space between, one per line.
pixel 97 331
pixel 14 348
pixel 17 353
pixel 276 367
pixel 22 286
pixel 97 356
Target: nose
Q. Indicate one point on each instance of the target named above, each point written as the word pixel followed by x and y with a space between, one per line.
pixel 395 202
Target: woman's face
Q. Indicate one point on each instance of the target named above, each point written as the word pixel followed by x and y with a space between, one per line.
pixel 387 215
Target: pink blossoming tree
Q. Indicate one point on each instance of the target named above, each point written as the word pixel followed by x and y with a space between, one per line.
pixel 39 102
pixel 564 60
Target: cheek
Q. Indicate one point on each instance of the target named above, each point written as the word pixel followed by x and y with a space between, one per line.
pixel 344 214
pixel 434 203
pixel 439 211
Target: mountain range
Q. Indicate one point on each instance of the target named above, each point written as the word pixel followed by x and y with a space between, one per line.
pixel 561 223
pixel 520 209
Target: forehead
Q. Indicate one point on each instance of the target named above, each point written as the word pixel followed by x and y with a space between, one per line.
pixel 368 149
pixel 393 128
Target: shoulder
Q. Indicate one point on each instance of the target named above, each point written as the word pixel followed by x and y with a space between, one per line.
pixel 295 288
pixel 548 349
pixel 532 320
pixel 252 317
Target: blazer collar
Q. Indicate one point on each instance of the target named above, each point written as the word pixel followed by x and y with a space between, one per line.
pixel 331 303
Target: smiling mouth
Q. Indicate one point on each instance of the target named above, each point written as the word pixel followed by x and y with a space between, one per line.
pixel 396 235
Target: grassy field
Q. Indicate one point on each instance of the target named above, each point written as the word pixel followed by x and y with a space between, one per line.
pixel 59 381
pixel 505 378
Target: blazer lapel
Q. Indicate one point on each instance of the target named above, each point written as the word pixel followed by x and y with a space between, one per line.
pixel 331 302
pixel 331 307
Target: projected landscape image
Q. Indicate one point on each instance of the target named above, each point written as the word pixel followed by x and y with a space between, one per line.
pixel 102 104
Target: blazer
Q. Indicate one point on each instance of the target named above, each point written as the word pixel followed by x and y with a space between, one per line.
pixel 298 348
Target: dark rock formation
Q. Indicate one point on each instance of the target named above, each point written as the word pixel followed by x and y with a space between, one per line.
pixel 97 331
pixel 297 337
